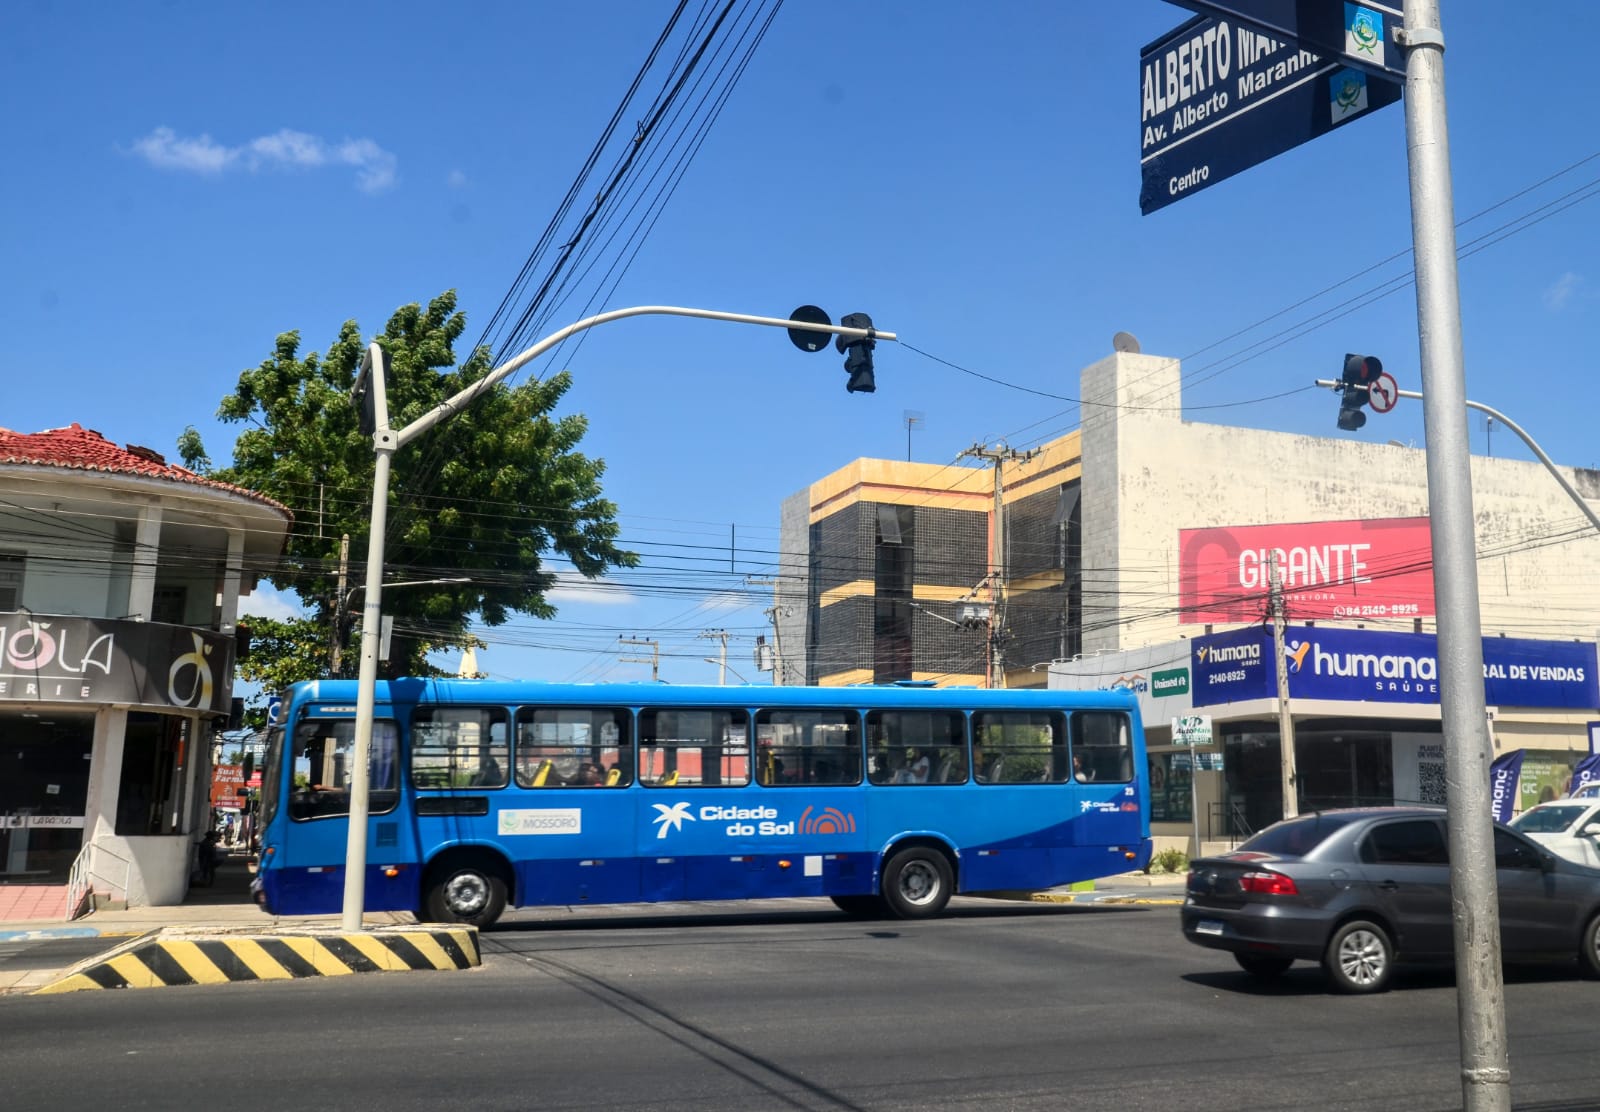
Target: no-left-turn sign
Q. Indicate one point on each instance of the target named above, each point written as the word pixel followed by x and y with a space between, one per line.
pixel 1383 393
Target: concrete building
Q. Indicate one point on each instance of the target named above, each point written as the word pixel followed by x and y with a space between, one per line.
pixel 120 576
pixel 1128 543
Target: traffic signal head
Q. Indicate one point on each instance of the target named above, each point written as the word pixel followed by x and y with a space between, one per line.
pixel 1360 372
pixel 858 354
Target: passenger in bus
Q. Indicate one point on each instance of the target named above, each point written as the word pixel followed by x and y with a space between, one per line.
pixel 1078 771
pixel 915 770
pixel 590 775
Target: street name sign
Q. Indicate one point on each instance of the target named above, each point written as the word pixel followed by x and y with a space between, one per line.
pixel 1217 96
pixel 1361 34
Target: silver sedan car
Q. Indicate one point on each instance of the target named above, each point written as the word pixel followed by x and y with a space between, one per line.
pixel 1362 889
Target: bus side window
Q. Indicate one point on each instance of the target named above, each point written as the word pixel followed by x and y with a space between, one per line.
pixel 1100 745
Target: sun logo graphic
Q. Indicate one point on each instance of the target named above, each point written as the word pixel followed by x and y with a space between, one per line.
pixel 829 820
pixel 670 817
pixel 1295 654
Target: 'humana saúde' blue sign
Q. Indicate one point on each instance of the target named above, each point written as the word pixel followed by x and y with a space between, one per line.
pixel 1364 665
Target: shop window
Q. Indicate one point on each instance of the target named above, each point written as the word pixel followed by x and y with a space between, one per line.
pixel 460 747
pixel 11 567
pixel 170 605
pixel 155 755
pixel 574 747
pixel 703 748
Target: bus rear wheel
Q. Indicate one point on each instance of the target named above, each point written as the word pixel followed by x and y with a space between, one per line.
pixel 466 893
pixel 917 883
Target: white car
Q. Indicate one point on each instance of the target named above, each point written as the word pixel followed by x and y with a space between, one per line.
pixel 1570 827
pixel 1591 790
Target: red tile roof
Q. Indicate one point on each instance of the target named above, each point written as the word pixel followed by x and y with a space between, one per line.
pixel 79 449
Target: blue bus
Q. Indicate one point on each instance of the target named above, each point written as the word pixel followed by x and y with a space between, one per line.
pixel 886 799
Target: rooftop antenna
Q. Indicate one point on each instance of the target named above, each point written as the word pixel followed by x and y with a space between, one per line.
pixel 912 418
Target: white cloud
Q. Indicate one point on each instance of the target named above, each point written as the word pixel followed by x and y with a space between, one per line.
pixel 286 148
pixel 572 587
pixel 265 602
pixel 456 180
pixel 1563 290
pixel 728 600
pixel 163 148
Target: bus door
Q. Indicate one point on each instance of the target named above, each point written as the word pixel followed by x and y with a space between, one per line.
pixel 310 875
pixel 567 821
pixel 1111 800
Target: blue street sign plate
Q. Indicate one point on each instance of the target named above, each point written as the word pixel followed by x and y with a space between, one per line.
pixel 1361 33
pixel 1216 97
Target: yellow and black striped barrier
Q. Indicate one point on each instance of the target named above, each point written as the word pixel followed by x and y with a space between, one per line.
pixel 159 960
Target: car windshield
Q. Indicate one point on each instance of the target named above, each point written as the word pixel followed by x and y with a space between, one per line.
pixel 1549 819
pixel 1297 837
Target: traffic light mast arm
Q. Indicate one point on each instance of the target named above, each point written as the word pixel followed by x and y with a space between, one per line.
pixel 1549 464
pixel 465 398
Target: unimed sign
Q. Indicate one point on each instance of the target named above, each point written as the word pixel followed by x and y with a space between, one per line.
pixel 1380 568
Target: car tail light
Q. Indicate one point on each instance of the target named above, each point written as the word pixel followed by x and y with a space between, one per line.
pixel 1268 884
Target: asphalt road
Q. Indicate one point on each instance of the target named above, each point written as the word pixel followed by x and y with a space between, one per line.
pixel 795 1006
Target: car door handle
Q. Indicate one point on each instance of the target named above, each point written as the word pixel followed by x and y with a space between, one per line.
pixel 1388 885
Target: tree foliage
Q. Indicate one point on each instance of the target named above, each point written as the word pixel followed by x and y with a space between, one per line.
pixel 283 652
pixel 492 493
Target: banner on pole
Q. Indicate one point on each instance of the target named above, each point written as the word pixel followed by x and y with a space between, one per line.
pixel 1587 772
pixel 1503 776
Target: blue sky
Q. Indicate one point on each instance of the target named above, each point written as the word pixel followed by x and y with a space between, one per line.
pixel 188 180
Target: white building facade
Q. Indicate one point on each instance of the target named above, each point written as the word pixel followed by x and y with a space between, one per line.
pixel 1180 523
pixel 120 576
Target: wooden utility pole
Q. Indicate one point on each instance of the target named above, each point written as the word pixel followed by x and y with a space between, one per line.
pixel 995 672
pixel 336 655
pixel 1291 802
pixel 654 659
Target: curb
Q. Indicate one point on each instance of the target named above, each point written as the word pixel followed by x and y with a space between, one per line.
pixel 1085 898
pixel 1100 897
pixel 166 957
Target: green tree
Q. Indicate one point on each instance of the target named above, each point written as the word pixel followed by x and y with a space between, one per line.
pixel 492 493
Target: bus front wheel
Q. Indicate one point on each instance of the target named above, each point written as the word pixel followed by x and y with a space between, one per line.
pixel 917 882
pixel 466 893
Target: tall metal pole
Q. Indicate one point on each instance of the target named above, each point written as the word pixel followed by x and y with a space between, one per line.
pixel 385 442
pixel 1485 1064
pixel 355 854
pixel 1291 796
